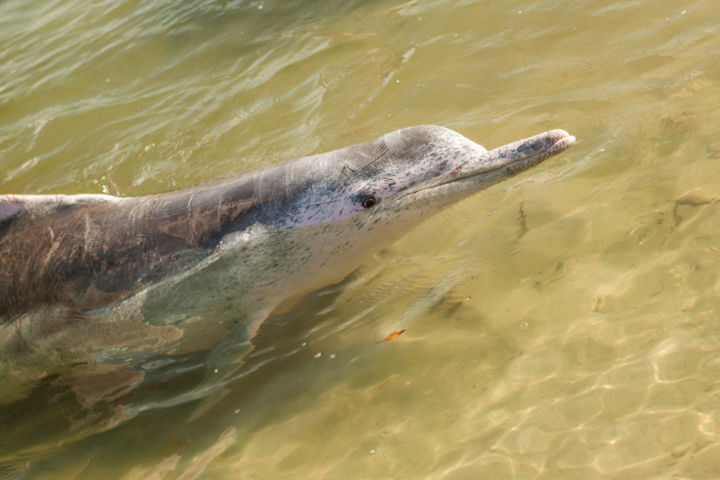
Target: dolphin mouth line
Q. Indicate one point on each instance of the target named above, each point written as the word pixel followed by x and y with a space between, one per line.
pixel 562 142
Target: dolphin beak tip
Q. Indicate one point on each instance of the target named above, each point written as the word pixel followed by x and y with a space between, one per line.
pixel 562 139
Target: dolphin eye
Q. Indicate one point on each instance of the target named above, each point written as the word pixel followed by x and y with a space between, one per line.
pixel 368 201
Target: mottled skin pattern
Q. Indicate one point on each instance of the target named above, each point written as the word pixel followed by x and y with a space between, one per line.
pixel 109 277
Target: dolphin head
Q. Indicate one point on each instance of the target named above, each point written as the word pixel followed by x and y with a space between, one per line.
pixel 399 179
pixel 345 204
pixel 424 169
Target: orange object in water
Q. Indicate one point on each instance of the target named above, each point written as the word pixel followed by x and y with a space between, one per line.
pixel 392 336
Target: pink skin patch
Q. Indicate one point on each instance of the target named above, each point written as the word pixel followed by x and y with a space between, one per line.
pixel 10 205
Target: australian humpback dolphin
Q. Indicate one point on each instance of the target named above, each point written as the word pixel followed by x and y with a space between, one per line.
pixel 99 278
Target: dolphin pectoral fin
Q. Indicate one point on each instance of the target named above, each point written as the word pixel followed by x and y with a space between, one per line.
pixel 229 355
pixel 226 361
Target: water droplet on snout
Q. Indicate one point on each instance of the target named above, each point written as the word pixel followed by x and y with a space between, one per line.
pixel 318 355
pixel 523 325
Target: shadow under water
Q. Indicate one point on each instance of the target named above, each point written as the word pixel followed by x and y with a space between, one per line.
pixel 75 410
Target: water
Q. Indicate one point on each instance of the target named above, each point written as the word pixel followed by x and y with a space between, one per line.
pixel 561 325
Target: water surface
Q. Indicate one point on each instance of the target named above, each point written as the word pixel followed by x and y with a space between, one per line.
pixel 563 324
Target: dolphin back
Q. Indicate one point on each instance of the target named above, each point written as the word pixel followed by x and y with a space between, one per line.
pixel 88 251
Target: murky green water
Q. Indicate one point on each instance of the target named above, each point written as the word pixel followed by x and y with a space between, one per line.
pixel 563 324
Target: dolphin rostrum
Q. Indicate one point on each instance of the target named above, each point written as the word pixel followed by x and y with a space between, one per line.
pixel 100 278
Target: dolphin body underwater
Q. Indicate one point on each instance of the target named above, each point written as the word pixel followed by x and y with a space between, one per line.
pixel 93 279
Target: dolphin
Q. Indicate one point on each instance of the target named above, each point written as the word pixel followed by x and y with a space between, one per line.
pixel 99 278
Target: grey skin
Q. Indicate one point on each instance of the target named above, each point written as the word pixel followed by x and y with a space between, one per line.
pixel 97 278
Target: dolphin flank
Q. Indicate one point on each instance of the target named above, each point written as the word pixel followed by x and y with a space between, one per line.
pixel 100 277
